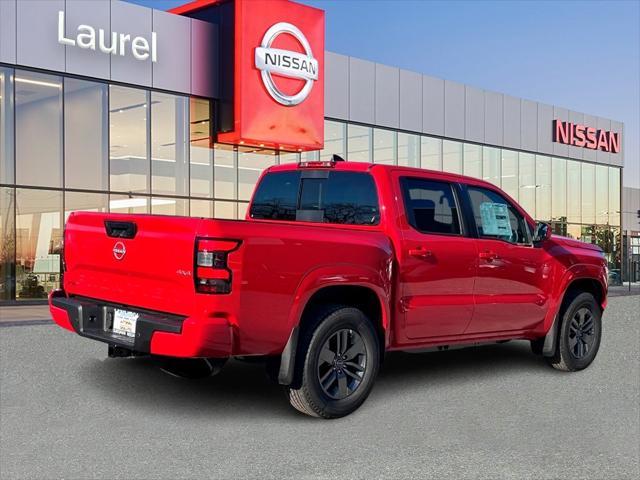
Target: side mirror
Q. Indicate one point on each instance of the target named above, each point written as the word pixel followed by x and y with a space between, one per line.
pixel 542 233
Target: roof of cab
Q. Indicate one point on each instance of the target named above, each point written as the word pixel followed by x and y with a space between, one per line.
pixel 365 166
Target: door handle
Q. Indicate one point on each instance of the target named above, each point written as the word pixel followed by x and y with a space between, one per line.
pixel 488 256
pixel 420 252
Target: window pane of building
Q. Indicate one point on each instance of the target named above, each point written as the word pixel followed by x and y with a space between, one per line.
pixel 289 157
pixel 201 150
pixel 408 150
pixel 451 156
pixel 527 175
pixel 574 231
pixel 128 204
pixel 543 188
pixel 242 210
pixel 602 194
pixel 614 196
pixel 225 173
pixel 6 126
pixel 169 206
pixel 559 189
pixel 588 193
pixel 472 161
pixel 359 143
pixel 38 242
pixel 169 144
pixel 334 139
pixel 7 244
pixel 509 173
pixel 128 121
pixel 86 106
pixel 574 181
pixel 225 210
pixel 251 163
pixel 38 129
pixel 85 202
pixel 201 208
pixel 491 165
pixel 431 153
pixel 384 146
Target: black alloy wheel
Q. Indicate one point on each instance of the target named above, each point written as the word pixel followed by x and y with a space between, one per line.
pixel 342 363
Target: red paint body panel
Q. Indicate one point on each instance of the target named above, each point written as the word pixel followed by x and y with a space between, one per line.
pixel 454 295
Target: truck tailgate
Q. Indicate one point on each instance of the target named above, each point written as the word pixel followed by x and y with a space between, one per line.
pixel 142 260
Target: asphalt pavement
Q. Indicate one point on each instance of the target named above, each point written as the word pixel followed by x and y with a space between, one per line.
pixel 67 411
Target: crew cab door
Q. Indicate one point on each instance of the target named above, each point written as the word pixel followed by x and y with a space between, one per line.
pixel 437 263
pixel 513 276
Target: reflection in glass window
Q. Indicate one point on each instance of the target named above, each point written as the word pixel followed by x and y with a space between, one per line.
pixel 510 180
pixel 408 150
pixel 169 206
pixel 527 174
pixel 38 130
pixel 472 165
pixel 169 143
pixel 225 210
pixel 574 231
pixel 85 202
pixel 431 153
pixel 359 143
pixel 128 120
pixel 277 196
pixel 602 194
pixel 491 165
pixel 251 163
pixel 543 187
pixel 128 204
pixel 38 242
pixel 86 107
pixel 495 217
pixel 559 189
pixel 574 181
pixel 201 208
pixel 7 243
pixel 614 196
pixel 588 193
pixel 451 156
pixel 6 127
pixel 384 146
pixel 334 139
pixel 200 148
pixel 225 173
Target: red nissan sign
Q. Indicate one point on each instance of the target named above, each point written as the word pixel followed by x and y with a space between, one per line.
pixel 278 78
pixel 587 137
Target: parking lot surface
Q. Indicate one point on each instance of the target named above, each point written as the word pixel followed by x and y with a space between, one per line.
pixel 67 411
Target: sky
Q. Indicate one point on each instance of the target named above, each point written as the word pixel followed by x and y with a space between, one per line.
pixel 584 56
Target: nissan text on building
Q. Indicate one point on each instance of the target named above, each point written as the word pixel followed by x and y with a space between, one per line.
pixel 109 106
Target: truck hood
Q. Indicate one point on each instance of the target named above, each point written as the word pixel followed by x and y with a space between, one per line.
pixel 573 243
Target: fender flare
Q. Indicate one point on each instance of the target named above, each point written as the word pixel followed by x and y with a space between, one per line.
pixel 313 282
pixel 574 273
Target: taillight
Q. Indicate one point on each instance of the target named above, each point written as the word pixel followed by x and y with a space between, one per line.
pixel 212 273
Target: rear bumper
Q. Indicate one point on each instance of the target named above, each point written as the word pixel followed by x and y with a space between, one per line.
pixel 156 333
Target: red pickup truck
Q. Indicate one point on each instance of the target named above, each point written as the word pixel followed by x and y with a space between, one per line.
pixel 336 263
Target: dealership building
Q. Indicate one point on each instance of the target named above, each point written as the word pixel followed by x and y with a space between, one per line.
pixel 109 106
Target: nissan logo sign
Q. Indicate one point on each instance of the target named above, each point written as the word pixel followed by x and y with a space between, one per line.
pixel 119 250
pixel 287 63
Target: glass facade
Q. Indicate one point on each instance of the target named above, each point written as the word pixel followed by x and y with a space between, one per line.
pixel 114 148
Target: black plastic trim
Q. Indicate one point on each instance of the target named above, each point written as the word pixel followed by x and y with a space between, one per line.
pixel 287 359
pixel 91 319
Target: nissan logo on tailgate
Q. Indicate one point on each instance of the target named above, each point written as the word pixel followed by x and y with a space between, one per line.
pixel 119 251
pixel 287 63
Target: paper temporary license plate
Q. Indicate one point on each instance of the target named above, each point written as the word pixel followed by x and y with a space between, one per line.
pixel 124 322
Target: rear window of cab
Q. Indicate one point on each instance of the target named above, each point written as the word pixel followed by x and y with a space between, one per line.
pixel 323 196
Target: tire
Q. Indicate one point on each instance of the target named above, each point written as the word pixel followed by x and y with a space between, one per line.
pixel 580 334
pixel 341 356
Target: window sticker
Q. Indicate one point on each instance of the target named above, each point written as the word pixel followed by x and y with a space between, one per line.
pixel 495 219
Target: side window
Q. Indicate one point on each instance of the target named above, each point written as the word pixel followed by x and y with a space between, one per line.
pixel 431 206
pixel 496 218
pixel 344 197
